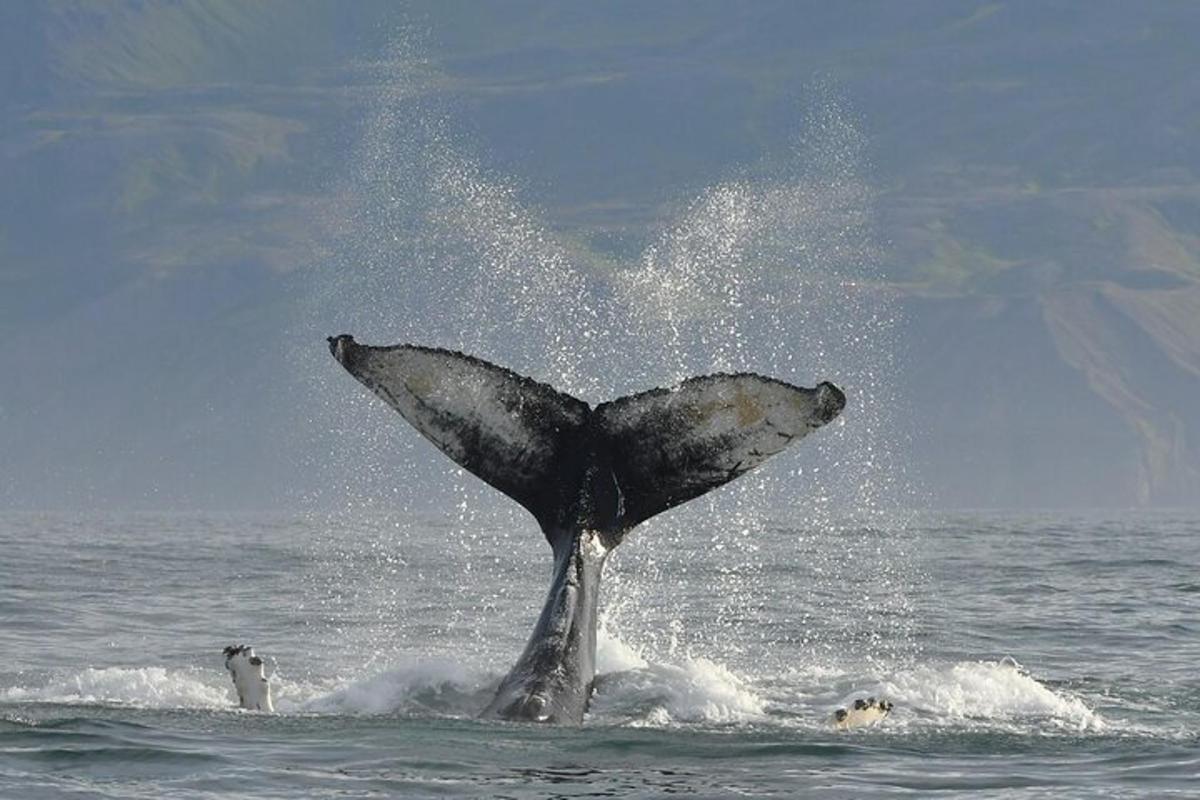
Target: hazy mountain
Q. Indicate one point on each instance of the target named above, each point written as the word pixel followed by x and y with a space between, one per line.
pixel 171 173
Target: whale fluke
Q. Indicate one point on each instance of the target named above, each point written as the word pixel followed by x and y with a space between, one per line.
pixel 587 475
pixel 671 445
pixel 511 431
pixel 657 449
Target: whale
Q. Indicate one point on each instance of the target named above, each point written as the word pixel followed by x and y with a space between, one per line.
pixel 588 475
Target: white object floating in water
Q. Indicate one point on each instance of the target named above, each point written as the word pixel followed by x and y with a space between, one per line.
pixel 863 712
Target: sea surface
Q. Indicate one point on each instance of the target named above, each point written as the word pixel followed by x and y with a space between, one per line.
pixel 1047 655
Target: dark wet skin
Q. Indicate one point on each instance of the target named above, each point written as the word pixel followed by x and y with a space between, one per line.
pixel 552 680
pixel 588 475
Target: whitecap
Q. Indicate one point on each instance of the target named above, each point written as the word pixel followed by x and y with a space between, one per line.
pixel 140 687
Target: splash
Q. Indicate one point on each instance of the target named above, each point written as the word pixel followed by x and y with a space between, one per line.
pixel 777 273
pixel 987 691
pixel 142 687
pixel 639 693
pixel 773 272
pixel 633 691
pixel 420 687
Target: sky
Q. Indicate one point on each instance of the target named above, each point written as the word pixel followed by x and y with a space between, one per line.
pixel 981 219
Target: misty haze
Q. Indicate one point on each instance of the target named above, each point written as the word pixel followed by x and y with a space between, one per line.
pixel 183 184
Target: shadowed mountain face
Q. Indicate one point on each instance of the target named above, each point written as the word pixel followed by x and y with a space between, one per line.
pixel 173 173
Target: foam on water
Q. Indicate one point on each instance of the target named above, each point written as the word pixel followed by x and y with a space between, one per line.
pixel 141 687
pixel 433 686
pixel 631 691
pixel 637 692
pixel 658 694
pixel 962 695
pixel 634 691
pixel 986 691
pixel 613 654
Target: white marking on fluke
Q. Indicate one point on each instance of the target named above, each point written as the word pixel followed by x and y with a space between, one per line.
pixel 253 688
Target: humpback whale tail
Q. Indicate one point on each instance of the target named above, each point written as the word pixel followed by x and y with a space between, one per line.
pixel 606 468
pixel 587 474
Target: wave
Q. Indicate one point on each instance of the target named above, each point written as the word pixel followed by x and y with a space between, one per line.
pixel 972 695
pixel 631 691
pixel 429 687
pixel 422 687
pixel 992 691
pixel 142 687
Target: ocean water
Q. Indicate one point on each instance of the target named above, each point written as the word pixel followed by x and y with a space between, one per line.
pixel 1028 656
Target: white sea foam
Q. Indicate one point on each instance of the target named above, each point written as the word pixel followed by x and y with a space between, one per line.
pixel 430 685
pixel 142 687
pixel 423 686
pixel 639 692
pixel 632 690
pixel 985 691
pixel 614 655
